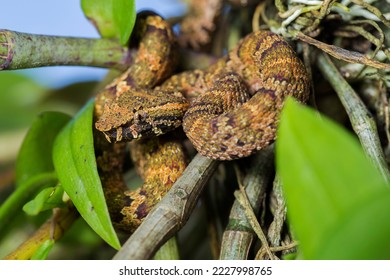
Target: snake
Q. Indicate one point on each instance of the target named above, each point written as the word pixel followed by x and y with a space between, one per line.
pixel 229 110
pixel 158 160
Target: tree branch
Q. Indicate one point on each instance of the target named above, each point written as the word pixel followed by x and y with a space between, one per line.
pixel 361 119
pixel 238 236
pixel 22 50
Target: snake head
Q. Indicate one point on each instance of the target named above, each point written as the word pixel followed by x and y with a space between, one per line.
pixel 141 113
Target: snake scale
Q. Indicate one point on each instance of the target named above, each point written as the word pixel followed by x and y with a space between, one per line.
pixel 228 111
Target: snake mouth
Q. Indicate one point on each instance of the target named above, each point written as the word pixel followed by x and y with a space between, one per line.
pixel 143 128
pixel 127 133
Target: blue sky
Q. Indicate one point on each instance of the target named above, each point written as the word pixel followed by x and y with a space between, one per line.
pixel 65 18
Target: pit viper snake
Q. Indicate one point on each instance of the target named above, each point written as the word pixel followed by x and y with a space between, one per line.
pixel 229 110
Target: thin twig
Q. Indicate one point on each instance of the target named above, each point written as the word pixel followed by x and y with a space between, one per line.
pixel 256 16
pixel 373 10
pixel 362 121
pixel 171 213
pixel 260 254
pixel 284 247
pixel 342 54
pixel 280 6
pixel 242 198
pixel 238 235
pixel 279 211
pixel 325 10
pixel 378 42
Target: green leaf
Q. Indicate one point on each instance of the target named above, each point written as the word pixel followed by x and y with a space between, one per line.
pixel 75 164
pixel 35 154
pixel 363 235
pixel 327 180
pixel 124 14
pixel 99 13
pixel 12 206
pixel 48 198
pixel 112 19
pixel 34 166
pixel 43 250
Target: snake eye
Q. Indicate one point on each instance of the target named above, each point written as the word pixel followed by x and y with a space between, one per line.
pixel 137 108
pixel 140 116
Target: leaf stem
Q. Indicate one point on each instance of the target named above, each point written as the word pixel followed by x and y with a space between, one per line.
pixel 23 50
pixel 361 119
pixel 21 195
pixel 53 229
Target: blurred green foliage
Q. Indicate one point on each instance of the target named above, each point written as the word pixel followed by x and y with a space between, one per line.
pixel 337 200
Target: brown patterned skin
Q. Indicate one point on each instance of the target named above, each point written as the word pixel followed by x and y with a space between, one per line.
pixel 128 109
pixel 158 160
pixel 142 112
pixel 234 106
pixel 241 96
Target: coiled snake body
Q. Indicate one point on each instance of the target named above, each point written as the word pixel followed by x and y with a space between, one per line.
pixel 229 110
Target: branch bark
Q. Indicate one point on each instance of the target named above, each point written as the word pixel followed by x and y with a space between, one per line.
pixel 361 119
pixel 238 236
pixel 22 50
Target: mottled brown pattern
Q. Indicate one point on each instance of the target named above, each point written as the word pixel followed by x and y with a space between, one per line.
pixel 262 70
pixel 160 162
pixel 235 103
pixel 129 109
pixel 234 107
pixel 153 63
pixel 142 112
